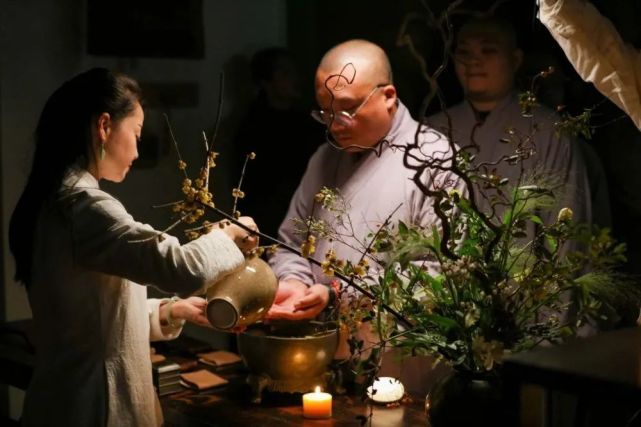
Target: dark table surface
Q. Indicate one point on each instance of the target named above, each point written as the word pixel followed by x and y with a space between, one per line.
pixel 608 363
pixel 599 376
pixel 226 406
pixel 231 406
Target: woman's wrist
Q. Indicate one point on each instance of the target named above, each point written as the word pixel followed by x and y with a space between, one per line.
pixel 169 320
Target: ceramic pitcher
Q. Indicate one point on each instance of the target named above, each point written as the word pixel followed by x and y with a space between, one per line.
pixel 243 297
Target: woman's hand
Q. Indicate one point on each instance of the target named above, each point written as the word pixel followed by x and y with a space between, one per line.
pixel 243 239
pixel 192 309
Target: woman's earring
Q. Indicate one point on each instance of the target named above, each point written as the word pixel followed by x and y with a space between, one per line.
pixel 102 151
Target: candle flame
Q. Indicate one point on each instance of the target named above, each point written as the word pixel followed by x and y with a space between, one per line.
pixel 317 389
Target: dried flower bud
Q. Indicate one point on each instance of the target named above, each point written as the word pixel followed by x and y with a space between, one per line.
pixel 182 165
pixel 204 196
pixel 237 193
pixel 258 251
pixel 251 155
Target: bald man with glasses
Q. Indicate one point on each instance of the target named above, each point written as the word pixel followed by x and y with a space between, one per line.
pixel 365 121
pixel 366 124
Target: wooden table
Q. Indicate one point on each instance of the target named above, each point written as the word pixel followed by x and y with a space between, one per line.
pixel 230 406
pixel 603 372
pixel 227 406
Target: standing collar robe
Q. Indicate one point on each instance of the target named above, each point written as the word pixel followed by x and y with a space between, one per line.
pixel 372 186
pixel 560 157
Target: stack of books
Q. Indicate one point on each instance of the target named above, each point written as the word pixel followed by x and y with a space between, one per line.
pixel 219 359
pixel 202 379
pixel 166 377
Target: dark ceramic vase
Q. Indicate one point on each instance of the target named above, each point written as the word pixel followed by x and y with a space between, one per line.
pixel 463 399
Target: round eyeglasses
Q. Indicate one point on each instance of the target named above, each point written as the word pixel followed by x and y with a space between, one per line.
pixel 342 117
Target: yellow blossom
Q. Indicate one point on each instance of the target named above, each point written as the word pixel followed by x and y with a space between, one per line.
pixel 308 247
pixel 472 316
pixel 359 270
pixel 330 255
pixel 487 352
pixel 565 215
pixel 328 270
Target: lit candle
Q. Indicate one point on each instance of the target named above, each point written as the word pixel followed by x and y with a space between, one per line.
pixel 386 390
pixel 317 404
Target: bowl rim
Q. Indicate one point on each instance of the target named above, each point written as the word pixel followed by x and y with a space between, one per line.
pixel 318 335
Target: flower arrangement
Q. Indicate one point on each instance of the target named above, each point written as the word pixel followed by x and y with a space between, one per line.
pixel 492 279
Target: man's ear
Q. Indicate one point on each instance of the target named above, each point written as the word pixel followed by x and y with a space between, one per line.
pixel 389 92
pixel 104 127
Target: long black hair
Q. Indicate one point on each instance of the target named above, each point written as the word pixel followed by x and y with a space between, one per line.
pixel 63 137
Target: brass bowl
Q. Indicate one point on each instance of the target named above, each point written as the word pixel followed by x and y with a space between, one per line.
pixel 288 357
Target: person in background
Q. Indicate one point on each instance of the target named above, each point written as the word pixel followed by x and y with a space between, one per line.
pixel 282 135
pixel 486 61
pixel 86 262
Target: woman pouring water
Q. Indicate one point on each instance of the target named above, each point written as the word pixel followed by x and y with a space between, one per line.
pixel 86 262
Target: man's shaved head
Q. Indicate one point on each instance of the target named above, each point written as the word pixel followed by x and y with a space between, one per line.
pixel 369 61
pixel 354 80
